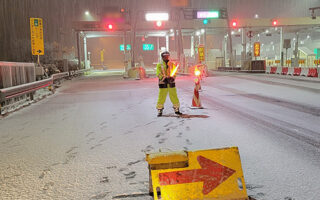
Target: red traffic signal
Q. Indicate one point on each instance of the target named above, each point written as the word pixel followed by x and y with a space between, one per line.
pixel 109 27
pixel 234 24
pixel 274 22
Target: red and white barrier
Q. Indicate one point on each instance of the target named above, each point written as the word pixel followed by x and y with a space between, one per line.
pixel 284 70
pixel 290 71
pixel 313 72
pixel 293 71
pixel 304 71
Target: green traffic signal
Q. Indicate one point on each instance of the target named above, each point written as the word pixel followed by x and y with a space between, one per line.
pixel 205 21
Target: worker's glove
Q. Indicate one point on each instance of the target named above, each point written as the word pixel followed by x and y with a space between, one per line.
pixel 171 79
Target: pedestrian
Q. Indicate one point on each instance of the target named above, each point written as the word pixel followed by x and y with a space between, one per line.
pixel 167 84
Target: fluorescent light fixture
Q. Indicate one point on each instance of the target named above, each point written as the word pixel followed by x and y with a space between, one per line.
pixel 197 33
pixel 157 16
pixel 214 14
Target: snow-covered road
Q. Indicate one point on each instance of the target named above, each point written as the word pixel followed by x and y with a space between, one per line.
pixel 88 141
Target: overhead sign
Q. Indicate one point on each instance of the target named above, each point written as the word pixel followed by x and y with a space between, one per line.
pixel 122 47
pixel 179 3
pixel 147 47
pixel 211 174
pixel 214 14
pixel 317 52
pixel 256 47
pixel 36 30
pixel 201 53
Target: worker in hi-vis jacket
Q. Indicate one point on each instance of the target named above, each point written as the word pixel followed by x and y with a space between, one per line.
pixel 167 84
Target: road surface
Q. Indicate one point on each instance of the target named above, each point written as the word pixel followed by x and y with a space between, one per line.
pixel 89 139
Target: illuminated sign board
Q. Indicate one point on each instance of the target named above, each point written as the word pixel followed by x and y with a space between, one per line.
pixel 147 47
pixel 122 47
pixel 214 14
pixel 257 49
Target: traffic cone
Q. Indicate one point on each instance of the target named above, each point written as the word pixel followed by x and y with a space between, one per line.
pixel 196 104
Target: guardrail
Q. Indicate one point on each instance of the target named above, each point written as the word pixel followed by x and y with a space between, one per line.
pixel 15 91
pixel 29 88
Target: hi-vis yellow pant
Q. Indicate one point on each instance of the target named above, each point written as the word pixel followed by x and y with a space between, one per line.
pixel 163 92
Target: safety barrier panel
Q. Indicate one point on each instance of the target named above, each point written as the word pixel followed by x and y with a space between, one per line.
pixel 268 69
pixel 313 72
pixel 284 70
pixel 297 71
pixel 304 71
pixel 16 73
pixel 293 71
pixel 290 71
pixel 273 70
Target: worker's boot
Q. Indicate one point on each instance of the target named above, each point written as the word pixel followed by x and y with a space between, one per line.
pixel 176 110
pixel 160 112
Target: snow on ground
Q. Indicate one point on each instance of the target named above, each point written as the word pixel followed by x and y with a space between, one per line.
pixel 88 141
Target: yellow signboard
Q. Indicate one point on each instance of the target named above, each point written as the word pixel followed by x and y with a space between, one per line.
pixel 179 3
pixel 257 49
pixel 102 55
pixel 36 29
pixel 210 174
pixel 201 53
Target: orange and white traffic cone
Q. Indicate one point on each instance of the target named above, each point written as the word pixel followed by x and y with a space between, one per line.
pixel 196 104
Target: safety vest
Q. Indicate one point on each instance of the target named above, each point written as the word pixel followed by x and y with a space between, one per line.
pixel 165 69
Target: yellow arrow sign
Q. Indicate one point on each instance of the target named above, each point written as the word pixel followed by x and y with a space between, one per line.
pixel 36 29
pixel 211 174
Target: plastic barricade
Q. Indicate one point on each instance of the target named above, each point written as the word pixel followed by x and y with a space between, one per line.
pixel 290 71
pixel 268 69
pixel 284 70
pixel 304 71
pixel 279 70
pixel 297 71
pixel 313 72
pixel 273 70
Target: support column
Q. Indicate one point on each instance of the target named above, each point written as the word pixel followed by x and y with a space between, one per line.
pixel 281 47
pixel 78 50
pixel 205 46
pixel 225 50
pixel 244 47
pixel 167 42
pixel 85 52
pixel 125 54
pixel 192 46
pixel 296 51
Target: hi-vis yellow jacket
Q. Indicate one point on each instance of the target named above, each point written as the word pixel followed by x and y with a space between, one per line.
pixel 163 70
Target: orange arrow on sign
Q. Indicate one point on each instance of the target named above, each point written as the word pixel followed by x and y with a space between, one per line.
pixel 212 174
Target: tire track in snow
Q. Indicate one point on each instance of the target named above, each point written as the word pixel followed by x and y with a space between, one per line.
pixel 275 125
pixel 291 105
